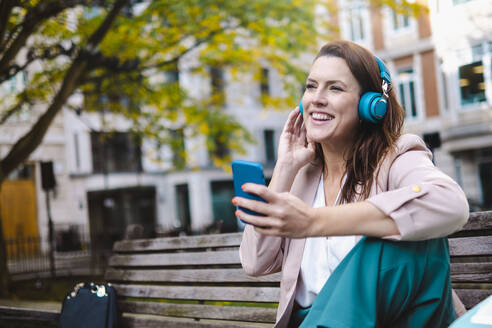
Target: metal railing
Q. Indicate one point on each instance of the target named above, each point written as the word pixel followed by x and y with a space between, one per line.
pixel 29 258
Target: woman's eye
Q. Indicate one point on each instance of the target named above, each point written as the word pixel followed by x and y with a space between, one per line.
pixel 310 86
pixel 335 88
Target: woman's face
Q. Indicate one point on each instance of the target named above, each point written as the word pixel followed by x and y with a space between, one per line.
pixel 331 102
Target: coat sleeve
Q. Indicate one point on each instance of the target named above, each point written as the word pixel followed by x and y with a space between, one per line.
pixel 260 254
pixel 424 202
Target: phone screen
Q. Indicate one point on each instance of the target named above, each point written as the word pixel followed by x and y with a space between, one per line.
pixel 243 172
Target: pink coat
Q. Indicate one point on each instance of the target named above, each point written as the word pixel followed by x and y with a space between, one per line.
pixel 424 202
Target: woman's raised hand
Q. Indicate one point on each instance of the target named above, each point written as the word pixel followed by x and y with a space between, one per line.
pixel 294 149
pixel 285 214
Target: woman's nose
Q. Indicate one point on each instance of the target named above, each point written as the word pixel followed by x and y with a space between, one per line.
pixel 319 98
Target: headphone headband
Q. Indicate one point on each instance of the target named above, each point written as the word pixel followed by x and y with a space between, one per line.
pixel 385 75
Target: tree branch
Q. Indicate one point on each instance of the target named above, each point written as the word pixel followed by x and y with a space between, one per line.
pixel 114 65
pixel 42 11
pixel 12 110
pixel 32 139
pixel 198 43
pixel 6 7
pixel 37 53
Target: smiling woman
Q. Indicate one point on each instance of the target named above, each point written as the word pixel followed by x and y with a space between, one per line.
pixel 351 195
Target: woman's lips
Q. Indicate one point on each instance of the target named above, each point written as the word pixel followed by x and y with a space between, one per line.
pixel 320 117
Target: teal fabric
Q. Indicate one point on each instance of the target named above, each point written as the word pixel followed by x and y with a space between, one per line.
pixel 383 283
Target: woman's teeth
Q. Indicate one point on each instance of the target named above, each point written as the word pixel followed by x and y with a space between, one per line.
pixel 322 116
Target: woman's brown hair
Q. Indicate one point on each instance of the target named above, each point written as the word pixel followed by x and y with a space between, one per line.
pixel 372 141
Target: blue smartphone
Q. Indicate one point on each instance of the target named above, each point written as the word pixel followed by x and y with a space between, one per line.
pixel 243 172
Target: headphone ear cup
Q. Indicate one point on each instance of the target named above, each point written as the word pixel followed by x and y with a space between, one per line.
pixel 372 107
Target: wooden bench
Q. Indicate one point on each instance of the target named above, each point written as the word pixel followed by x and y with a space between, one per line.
pixel 198 281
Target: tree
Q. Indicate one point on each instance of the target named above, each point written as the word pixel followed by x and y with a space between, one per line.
pixel 113 51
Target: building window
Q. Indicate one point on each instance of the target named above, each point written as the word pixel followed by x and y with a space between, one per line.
pixel 406 91
pixel 354 17
pixel 223 210
pixel 399 21
pixel 217 147
pixel 115 152
pixel 178 148
pixel 356 21
pixel 473 75
pixel 458 170
pixel 485 171
pixel 76 150
pixel 172 75
pixel 23 172
pixel 444 88
pixel 472 83
pixel 265 82
pixel 269 141
pixel 217 85
pixel 183 207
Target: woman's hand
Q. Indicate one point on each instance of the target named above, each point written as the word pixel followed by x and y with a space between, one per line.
pixel 285 214
pixel 294 149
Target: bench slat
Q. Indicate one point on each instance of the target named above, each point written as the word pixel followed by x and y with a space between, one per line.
pixel 237 313
pixel 169 259
pixel 474 277
pixel 188 275
pixel 471 272
pixel 471 297
pixel 240 294
pixel 28 317
pixel 149 321
pixel 470 246
pixel 479 221
pixel 174 243
pixel 464 268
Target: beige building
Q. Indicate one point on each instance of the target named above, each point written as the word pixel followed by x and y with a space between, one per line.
pixel 441 70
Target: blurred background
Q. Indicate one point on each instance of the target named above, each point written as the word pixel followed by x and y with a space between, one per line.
pixel 119 119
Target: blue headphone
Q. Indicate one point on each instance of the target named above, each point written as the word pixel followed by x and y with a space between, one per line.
pixel 372 105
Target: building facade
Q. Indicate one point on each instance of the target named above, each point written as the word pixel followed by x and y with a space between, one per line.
pixel 110 186
pixel 441 70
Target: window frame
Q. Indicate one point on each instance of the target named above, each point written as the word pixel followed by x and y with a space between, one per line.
pixel 409 77
pixel 469 56
pixel 349 9
pixel 388 23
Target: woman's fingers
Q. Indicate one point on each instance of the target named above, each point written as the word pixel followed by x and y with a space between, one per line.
pixel 252 205
pixel 260 190
pixel 291 120
pixel 298 125
pixel 264 222
pixel 303 134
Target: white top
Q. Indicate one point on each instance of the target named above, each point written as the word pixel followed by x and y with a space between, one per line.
pixel 321 256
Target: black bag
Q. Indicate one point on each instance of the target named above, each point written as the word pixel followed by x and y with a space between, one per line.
pixel 89 305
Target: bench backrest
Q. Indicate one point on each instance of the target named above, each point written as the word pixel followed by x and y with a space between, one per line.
pixel 471 259
pixel 200 277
